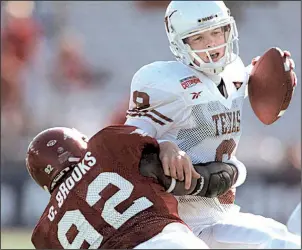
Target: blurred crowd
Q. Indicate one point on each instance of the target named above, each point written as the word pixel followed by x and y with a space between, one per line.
pixel 57 69
pixel 29 105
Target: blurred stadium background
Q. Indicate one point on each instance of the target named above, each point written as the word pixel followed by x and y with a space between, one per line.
pixel 71 63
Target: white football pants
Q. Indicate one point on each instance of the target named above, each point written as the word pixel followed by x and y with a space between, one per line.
pixel 244 230
pixel 174 236
pixel 294 221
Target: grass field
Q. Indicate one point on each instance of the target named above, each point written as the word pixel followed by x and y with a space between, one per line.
pixel 16 239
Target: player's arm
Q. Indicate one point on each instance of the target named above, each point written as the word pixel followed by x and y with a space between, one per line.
pixel 216 177
pixel 152 107
pixel 38 245
pixel 157 107
pixel 151 166
pixel 39 241
pixel 152 110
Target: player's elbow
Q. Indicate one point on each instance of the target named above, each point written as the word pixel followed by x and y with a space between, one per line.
pixel 143 125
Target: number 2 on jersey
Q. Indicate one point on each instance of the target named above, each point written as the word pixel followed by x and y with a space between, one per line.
pixel 86 232
pixel 109 214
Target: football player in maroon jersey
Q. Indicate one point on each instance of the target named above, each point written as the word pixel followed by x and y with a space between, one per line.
pixel 111 191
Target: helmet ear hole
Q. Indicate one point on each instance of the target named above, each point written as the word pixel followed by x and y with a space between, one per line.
pixel 185 41
pixel 227 28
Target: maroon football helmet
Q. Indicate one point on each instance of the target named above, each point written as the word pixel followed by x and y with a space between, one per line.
pixel 52 153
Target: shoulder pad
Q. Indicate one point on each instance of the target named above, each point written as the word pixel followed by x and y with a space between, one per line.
pixel 172 76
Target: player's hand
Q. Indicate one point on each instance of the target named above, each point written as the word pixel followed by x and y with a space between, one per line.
pixel 176 163
pixel 289 62
pixel 290 66
pixel 255 60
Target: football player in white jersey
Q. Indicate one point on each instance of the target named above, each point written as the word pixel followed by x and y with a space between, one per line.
pixel 193 107
pixel 294 221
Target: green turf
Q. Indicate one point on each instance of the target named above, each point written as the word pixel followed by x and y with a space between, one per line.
pixel 16 239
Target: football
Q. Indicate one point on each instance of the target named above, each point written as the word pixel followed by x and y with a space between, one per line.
pixel 270 86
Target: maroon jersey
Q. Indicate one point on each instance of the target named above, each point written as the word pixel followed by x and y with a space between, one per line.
pixel 104 202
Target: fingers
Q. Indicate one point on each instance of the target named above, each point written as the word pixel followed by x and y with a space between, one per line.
pixel 188 174
pixel 186 168
pixel 177 164
pixel 291 67
pixel 255 60
pixel 172 168
pixel 179 168
pixel 165 163
pixel 291 64
pixel 286 53
pixel 294 78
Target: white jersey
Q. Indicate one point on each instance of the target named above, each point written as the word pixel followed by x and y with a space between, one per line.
pixel 171 101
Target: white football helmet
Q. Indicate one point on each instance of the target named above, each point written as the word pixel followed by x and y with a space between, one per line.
pixel 187 18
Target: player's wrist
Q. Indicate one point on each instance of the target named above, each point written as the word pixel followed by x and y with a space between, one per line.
pixel 241 171
pixel 161 141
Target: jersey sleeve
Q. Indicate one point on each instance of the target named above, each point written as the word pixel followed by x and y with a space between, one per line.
pixel 124 144
pixel 44 236
pixel 154 106
pixel 41 243
pixel 38 244
pixel 248 70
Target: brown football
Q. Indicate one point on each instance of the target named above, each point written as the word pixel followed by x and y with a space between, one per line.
pixel 270 87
